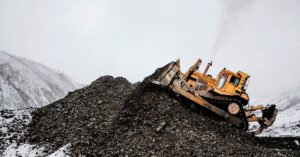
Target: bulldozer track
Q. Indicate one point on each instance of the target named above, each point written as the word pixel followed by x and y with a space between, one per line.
pixel 223 102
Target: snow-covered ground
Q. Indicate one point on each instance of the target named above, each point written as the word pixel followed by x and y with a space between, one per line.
pixel 27 150
pixel 288 119
pixel 13 125
pixel 24 83
pixel 24 150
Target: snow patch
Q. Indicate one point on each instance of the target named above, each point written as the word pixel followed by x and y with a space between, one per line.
pixel 62 152
pixel 28 150
pixel 24 150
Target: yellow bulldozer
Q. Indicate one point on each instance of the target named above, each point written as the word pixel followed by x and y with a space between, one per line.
pixel 225 95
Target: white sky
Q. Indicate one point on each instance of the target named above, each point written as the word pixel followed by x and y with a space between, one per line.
pixel 131 38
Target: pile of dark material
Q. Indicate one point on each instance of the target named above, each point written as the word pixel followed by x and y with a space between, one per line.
pixel 81 116
pixel 112 117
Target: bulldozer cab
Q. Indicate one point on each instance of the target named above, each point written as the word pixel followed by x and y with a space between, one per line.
pixel 232 83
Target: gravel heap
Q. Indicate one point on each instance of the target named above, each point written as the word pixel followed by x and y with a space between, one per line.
pixel 112 117
pixel 81 117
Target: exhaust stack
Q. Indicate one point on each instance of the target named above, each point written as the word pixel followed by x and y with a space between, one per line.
pixel 207 68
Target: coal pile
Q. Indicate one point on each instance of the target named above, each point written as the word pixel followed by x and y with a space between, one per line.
pixel 81 116
pixel 112 117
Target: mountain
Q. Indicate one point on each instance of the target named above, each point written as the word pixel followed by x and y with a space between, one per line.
pixel 24 83
pixel 288 119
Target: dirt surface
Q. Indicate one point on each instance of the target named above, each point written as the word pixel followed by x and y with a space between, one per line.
pixel 112 117
pixel 280 142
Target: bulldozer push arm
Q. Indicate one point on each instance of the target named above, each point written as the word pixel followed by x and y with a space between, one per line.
pixel 177 82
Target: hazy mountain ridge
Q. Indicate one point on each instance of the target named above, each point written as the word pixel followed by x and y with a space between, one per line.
pixel 24 83
pixel 288 119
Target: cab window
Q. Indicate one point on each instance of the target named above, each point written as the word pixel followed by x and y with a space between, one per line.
pixel 222 80
pixel 246 85
pixel 234 80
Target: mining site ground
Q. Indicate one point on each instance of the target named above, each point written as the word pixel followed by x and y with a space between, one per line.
pixel 112 117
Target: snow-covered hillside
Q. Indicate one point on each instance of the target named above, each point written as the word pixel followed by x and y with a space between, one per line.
pixel 24 83
pixel 288 119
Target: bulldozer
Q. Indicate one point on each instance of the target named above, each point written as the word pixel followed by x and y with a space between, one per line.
pixel 224 95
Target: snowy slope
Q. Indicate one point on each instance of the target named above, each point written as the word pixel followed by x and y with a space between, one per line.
pixel 24 83
pixel 288 119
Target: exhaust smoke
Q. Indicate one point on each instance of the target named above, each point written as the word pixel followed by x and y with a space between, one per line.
pixel 229 16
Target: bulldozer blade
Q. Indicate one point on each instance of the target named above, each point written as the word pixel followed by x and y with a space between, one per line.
pixel 166 77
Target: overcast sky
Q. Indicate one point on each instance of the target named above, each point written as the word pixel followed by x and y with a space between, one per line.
pixel 131 38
